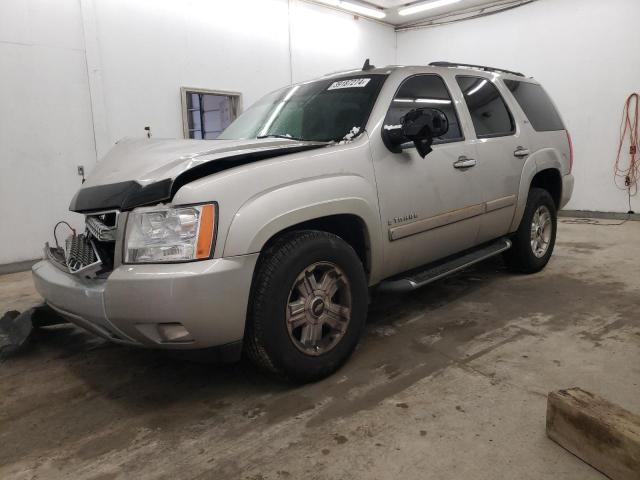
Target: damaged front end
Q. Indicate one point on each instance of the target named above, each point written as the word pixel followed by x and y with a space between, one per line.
pixel 89 254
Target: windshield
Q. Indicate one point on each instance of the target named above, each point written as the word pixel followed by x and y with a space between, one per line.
pixel 324 110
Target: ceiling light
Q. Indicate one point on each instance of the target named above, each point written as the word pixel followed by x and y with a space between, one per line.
pixel 422 100
pixel 421 7
pixel 276 111
pixel 433 100
pixel 361 9
pixel 480 85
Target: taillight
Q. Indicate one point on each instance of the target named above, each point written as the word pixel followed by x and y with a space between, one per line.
pixel 570 151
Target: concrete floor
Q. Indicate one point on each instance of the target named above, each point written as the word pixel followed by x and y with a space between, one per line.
pixel 448 383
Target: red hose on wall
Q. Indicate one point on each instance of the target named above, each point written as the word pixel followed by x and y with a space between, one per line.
pixel 627 174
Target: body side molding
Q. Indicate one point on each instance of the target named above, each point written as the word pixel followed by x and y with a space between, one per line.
pixel 402 231
pixel 499 203
pixel 419 226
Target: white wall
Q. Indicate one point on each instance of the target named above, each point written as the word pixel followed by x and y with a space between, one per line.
pixel 139 54
pixel 45 121
pixel 585 53
pixel 149 48
pixel 325 40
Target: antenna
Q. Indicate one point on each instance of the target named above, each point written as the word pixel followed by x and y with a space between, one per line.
pixel 367 66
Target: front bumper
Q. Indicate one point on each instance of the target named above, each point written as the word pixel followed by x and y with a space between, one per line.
pixel 208 298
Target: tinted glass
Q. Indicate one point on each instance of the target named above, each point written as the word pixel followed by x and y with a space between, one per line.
pixel 536 105
pixel 324 110
pixel 490 115
pixel 425 91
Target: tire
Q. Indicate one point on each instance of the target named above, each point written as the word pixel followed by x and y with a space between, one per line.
pixel 290 324
pixel 530 253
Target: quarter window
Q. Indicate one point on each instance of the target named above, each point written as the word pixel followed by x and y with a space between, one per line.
pixel 536 104
pixel 489 112
pixel 425 91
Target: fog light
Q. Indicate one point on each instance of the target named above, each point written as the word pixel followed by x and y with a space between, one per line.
pixel 173 332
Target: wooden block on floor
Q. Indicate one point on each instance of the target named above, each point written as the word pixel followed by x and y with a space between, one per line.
pixel 602 434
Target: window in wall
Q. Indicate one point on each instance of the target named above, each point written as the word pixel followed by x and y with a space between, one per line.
pixel 536 105
pixel 425 91
pixel 206 113
pixel 489 112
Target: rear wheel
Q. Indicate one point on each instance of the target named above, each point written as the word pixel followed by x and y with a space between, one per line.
pixel 536 236
pixel 308 306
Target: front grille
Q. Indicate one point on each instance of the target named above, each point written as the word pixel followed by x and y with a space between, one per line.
pixel 100 230
pixel 79 252
pixel 81 255
pixel 90 254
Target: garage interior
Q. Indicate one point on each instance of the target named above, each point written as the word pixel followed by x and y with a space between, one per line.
pixel 449 381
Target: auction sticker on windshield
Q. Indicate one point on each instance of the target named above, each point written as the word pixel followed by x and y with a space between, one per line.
pixel 353 83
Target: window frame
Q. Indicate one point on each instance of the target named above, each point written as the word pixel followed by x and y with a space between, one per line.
pixel 408 145
pixel 236 104
pixel 514 123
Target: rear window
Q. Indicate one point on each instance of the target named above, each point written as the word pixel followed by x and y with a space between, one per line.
pixel 489 113
pixel 536 105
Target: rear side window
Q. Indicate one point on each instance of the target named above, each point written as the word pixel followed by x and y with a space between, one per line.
pixel 425 91
pixel 489 112
pixel 536 105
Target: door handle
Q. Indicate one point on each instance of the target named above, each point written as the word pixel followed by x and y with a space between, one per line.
pixel 521 152
pixel 464 162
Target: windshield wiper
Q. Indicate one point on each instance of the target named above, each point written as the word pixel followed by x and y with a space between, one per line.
pixel 288 137
pixel 295 138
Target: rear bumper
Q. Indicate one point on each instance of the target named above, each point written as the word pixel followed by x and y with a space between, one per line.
pixel 208 299
pixel 567 189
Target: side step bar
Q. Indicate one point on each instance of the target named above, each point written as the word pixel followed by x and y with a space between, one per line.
pixel 435 271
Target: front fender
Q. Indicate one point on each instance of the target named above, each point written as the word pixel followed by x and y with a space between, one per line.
pixel 269 212
pixel 544 159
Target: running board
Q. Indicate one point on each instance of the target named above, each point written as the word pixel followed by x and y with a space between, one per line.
pixel 435 271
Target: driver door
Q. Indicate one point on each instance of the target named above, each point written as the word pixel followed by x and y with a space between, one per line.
pixel 430 207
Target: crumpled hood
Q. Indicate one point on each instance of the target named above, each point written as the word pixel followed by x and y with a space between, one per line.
pixel 144 171
pixel 149 160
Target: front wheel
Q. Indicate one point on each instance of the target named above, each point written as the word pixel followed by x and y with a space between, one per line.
pixel 536 236
pixel 308 306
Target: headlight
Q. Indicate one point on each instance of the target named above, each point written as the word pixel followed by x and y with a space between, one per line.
pixel 170 234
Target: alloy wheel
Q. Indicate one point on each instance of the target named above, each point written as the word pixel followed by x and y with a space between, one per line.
pixel 319 308
pixel 541 229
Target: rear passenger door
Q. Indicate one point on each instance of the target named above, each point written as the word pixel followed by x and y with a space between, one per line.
pixel 540 118
pixel 501 150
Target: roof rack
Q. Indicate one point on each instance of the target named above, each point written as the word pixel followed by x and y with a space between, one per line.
pixel 480 67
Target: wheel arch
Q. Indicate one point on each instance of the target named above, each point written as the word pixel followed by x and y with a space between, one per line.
pixel 541 170
pixel 349 227
pixel 351 213
pixel 550 180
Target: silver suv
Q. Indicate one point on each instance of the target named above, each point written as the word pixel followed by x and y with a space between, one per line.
pixel 268 240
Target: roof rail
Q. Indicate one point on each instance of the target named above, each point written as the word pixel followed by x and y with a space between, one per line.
pixel 480 67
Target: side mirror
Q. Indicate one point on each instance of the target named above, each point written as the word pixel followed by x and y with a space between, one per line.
pixel 419 126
